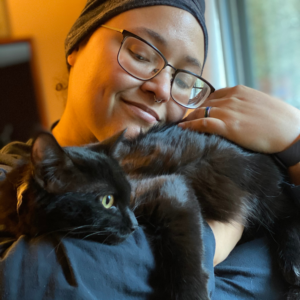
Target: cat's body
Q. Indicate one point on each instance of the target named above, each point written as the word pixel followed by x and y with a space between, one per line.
pixel 177 178
pixel 229 183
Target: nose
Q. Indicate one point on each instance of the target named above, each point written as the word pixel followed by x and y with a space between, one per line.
pixel 160 86
pixel 133 224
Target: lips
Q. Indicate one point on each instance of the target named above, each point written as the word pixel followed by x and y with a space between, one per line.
pixel 143 108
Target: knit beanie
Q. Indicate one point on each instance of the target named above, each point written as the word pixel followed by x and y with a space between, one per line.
pixel 97 12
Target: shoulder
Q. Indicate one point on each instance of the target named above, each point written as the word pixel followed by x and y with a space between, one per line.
pixel 56 267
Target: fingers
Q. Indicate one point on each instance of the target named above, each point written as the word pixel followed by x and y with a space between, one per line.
pixel 199 113
pixel 197 121
pixel 196 114
pixel 231 98
pixel 247 117
pixel 219 93
pixel 206 125
pixel 230 91
pixel 216 123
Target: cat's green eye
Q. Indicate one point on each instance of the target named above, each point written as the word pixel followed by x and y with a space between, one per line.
pixel 107 200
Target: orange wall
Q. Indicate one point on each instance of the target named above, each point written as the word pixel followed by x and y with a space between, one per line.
pixel 47 23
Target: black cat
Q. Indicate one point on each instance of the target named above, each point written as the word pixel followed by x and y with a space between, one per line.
pixel 177 177
pixel 83 192
pixel 73 190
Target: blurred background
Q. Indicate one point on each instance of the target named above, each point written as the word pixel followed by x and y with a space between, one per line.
pixel 255 43
pixel 252 42
pixel 32 63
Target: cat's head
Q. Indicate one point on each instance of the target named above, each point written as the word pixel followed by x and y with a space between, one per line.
pixel 75 187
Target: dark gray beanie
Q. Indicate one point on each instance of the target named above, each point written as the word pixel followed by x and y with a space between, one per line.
pixel 97 12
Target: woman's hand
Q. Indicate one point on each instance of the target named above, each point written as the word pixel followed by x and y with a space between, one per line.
pixel 226 237
pixel 249 118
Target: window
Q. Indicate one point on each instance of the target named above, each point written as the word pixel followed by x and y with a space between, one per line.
pixel 260 45
pixel 274 40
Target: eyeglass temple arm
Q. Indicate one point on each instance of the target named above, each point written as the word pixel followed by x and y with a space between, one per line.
pixel 113 28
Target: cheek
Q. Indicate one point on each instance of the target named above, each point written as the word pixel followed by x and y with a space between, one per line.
pixel 101 106
pixel 175 112
pixel 119 80
pixel 114 79
pixel 100 85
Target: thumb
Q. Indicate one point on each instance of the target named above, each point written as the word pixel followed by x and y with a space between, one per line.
pixel 206 125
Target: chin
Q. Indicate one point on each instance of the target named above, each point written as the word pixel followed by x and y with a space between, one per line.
pixel 133 131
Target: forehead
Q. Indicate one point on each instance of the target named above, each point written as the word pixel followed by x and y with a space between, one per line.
pixel 174 31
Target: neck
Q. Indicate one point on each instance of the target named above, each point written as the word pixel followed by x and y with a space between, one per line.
pixel 69 132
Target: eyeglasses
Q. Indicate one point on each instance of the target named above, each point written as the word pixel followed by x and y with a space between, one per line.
pixel 144 61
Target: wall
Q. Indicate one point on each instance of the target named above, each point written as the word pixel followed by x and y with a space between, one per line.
pixel 47 23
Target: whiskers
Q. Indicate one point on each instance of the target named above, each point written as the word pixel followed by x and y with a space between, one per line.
pixel 142 220
pixel 71 230
pixel 86 230
pixel 97 233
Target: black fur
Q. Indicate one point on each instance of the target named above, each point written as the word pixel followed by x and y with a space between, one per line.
pixel 229 183
pixel 177 178
pixel 60 190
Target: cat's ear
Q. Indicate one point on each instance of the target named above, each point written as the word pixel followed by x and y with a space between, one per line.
pixel 45 147
pixel 47 158
pixel 108 145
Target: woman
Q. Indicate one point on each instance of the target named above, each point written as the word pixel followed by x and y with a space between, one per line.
pixel 105 96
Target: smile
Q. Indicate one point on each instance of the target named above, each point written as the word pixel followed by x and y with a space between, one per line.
pixel 142 111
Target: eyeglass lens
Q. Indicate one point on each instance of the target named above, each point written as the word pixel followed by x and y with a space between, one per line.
pixel 139 59
pixel 189 90
pixel 143 62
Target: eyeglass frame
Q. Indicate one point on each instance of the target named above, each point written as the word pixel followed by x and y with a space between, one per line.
pixel 127 33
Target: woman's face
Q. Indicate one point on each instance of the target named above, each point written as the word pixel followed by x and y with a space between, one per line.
pixel 103 99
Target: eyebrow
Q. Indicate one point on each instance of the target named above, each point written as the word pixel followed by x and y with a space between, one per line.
pixel 194 61
pixel 161 40
pixel 155 35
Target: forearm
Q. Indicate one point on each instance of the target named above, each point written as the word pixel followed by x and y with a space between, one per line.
pixel 226 236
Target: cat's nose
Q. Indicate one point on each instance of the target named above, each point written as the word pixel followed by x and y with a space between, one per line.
pixel 133 227
pixel 133 221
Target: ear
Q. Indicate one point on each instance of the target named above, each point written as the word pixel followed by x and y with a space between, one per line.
pixel 109 145
pixel 49 160
pixel 72 57
pixel 44 147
